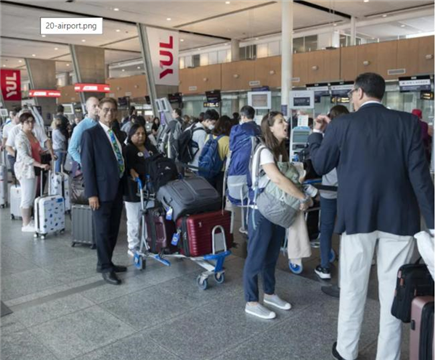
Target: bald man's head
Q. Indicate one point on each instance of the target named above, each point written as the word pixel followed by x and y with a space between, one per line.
pixel 92 107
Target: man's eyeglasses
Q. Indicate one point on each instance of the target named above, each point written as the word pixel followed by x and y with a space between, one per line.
pixel 107 110
pixel 350 93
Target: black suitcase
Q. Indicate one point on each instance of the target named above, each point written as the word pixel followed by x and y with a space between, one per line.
pixel 82 225
pixel 189 196
pixel 412 280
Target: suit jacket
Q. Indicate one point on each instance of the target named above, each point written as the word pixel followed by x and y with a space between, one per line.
pixel 99 165
pixel 383 175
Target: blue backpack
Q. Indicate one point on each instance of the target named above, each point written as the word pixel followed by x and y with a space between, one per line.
pixel 210 163
pixel 244 139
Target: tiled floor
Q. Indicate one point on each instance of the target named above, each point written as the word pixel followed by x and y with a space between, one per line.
pixel 63 310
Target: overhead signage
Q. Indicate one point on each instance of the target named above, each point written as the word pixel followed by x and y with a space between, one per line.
pixel 260 100
pixel 415 83
pixel 193 88
pixel 175 98
pixel 164 55
pixel 341 89
pixel 261 88
pixel 10 84
pixel 320 90
pixel 210 104
pixel 45 93
pixel 255 83
pixel 301 99
pixel 104 88
pixel 213 96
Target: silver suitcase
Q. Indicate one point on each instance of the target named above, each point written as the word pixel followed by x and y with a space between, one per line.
pixel 82 226
pixel 15 201
pixel 3 182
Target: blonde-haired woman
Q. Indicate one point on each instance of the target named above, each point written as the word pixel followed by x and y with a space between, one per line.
pixel 59 139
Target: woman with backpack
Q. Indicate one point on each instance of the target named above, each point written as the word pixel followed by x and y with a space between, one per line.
pixel 265 238
pixel 138 149
pixel 214 153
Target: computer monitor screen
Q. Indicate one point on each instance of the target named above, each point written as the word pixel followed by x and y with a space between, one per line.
pixel 4 112
pixel 300 136
pixel 68 109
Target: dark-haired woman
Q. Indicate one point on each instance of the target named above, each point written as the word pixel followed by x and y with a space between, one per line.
pixel 28 160
pixel 222 129
pixel 136 151
pixel 328 209
pixel 265 238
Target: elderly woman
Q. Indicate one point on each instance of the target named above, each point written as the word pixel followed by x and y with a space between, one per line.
pixel 27 167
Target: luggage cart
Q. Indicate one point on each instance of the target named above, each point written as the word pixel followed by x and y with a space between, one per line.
pixel 297 267
pixel 212 263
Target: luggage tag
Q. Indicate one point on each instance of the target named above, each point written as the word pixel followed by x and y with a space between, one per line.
pixel 176 238
pixel 169 213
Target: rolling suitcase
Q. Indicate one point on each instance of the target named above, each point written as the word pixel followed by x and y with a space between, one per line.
pixel 49 214
pixel 189 196
pixel 422 329
pixel 59 185
pixel 159 231
pixel 412 280
pixel 3 182
pixel 15 201
pixel 197 232
pixel 82 226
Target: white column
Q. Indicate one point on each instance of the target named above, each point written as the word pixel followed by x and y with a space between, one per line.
pixel 235 50
pixel 352 31
pixel 287 51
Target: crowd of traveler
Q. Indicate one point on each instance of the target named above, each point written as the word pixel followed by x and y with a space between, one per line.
pixel 376 157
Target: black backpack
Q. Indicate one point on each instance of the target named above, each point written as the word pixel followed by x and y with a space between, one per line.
pixel 161 171
pixel 186 147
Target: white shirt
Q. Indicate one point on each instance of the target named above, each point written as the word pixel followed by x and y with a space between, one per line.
pixel 7 128
pixel 199 137
pixel 37 131
pixel 370 102
pixel 106 130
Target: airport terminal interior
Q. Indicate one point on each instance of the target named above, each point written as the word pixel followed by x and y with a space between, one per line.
pixel 297 57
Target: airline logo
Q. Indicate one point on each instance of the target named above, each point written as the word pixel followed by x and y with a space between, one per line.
pixel 104 88
pixel 10 84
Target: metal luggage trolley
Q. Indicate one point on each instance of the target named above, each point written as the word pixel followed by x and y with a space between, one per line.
pixel 212 263
pixel 315 243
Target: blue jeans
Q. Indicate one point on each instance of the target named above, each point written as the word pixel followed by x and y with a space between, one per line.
pixel 60 160
pixel 264 244
pixel 328 212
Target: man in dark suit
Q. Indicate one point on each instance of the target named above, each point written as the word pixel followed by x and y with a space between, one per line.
pixel 104 174
pixel 384 180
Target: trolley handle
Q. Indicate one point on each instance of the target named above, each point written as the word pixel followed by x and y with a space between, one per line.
pixel 139 182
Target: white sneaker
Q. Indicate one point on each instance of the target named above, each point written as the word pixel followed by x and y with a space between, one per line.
pixel 243 231
pixel 30 227
pixel 275 300
pixel 260 311
pixel 131 252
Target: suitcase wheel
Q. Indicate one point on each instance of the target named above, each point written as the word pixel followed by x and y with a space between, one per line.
pixel 219 278
pixel 332 256
pixel 12 217
pixel 35 235
pixel 295 268
pixel 42 237
pixel 2 206
pixel 62 231
pixel 139 262
pixel 73 244
pixel 202 284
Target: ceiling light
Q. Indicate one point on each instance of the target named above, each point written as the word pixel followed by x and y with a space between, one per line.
pixel 83 40
pixel 123 69
pixel 227 2
pixel 56 48
pixel 181 40
pixel 199 49
pixel 20 61
pixel 117 30
pixel 67 64
pixel 33 55
pixel 115 9
pixel 402 26
pixel 366 1
pixel 335 24
pixel 226 44
pixel 138 67
pixel 169 19
pixel 256 38
pixel 384 16
pixel 4 65
pixel 43 35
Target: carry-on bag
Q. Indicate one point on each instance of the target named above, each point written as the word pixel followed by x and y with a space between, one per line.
pixel 3 182
pixel 188 196
pixel 159 231
pixel 82 225
pixel 196 232
pixel 59 185
pixel 412 280
pixel 15 201
pixel 422 329
pixel 49 213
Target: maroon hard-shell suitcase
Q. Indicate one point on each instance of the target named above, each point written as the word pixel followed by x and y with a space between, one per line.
pixel 159 231
pixel 421 343
pixel 197 230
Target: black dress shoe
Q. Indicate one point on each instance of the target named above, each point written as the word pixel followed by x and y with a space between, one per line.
pixel 111 278
pixel 335 353
pixel 119 268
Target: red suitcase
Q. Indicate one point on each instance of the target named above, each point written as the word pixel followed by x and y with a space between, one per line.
pixel 199 232
pixel 159 232
pixel 422 328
